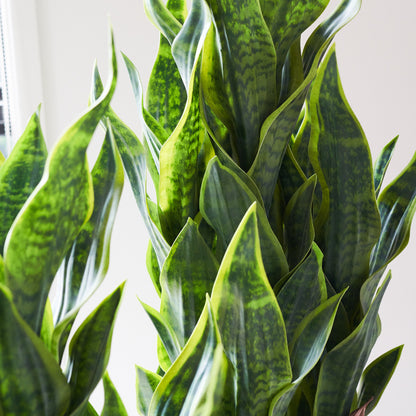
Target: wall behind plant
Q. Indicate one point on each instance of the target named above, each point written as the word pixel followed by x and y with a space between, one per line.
pixel 377 61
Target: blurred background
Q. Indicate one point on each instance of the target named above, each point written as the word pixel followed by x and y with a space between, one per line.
pixel 50 51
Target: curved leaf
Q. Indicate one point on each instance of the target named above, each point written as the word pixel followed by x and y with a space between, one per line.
pixel 31 381
pixel 201 366
pixel 250 322
pixel 53 216
pixel 187 276
pixel 113 406
pixel 376 377
pixel 146 383
pixel 89 350
pixel 86 264
pixel 382 163
pixel 20 173
pixel 348 225
pixel 342 367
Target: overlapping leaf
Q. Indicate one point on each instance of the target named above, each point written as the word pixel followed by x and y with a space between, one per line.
pixel 113 406
pixel 382 163
pixel 20 174
pixel 146 383
pixel 348 224
pixel 54 215
pixel 250 321
pixel 31 381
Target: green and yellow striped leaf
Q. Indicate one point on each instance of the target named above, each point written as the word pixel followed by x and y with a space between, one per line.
pixel 348 224
pixel 303 292
pixel 31 381
pixel 54 215
pixel 201 367
pixel 86 264
pixel 113 406
pixel 342 367
pixel 146 383
pixel 20 174
pixel 89 351
pixel 250 321
pixel 376 377
pixel 187 276
pixel 249 71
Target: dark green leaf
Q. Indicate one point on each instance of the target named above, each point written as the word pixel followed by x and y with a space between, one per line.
pixel 299 231
pixel 153 268
pixel 113 406
pixel 303 292
pixel 382 163
pixel 146 383
pixel 187 276
pixel 342 367
pixel 249 71
pixel 89 350
pixel 31 381
pixel 250 322
pixel 348 225
pixel 54 215
pixel 376 377
pixel 20 174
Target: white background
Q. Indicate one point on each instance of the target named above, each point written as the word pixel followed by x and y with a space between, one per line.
pixel 376 55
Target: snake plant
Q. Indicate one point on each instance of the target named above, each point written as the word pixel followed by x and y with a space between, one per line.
pixel 271 231
pixel 57 218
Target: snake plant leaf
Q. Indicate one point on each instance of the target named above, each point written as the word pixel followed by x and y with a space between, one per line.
pixel 186 385
pixel 89 351
pixel 113 406
pixel 90 411
pixel 20 174
pixel 31 380
pixel 249 71
pixel 225 198
pixel 342 366
pixel 165 20
pixel 166 333
pixel 311 337
pixel 286 21
pixel 321 37
pixel 87 262
pixel 146 383
pixel 382 163
pixel 250 321
pixel 179 179
pixel 376 377
pixel 187 276
pixel 397 204
pixel 299 231
pixel 153 268
pixel 303 292
pixel 187 46
pixel 350 209
pixel 291 176
pixel 54 214
pixel 47 328
pixel 166 94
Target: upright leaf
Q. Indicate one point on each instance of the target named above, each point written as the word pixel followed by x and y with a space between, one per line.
pixel 146 383
pixel 376 377
pixel 342 367
pixel 86 264
pixel 348 225
pixel 54 215
pixel 249 71
pixel 382 163
pixel 201 365
pixel 113 406
pixel 250 322
pixel 31 381
pixel 89 350
pixel 20 174
pixel 187 276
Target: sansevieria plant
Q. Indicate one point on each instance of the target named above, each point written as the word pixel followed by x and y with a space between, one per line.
pixel 270 232
pixel 56 222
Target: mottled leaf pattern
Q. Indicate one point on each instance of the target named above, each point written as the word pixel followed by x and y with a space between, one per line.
pixel 382 163
pixel 146 383
pixel 113 406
